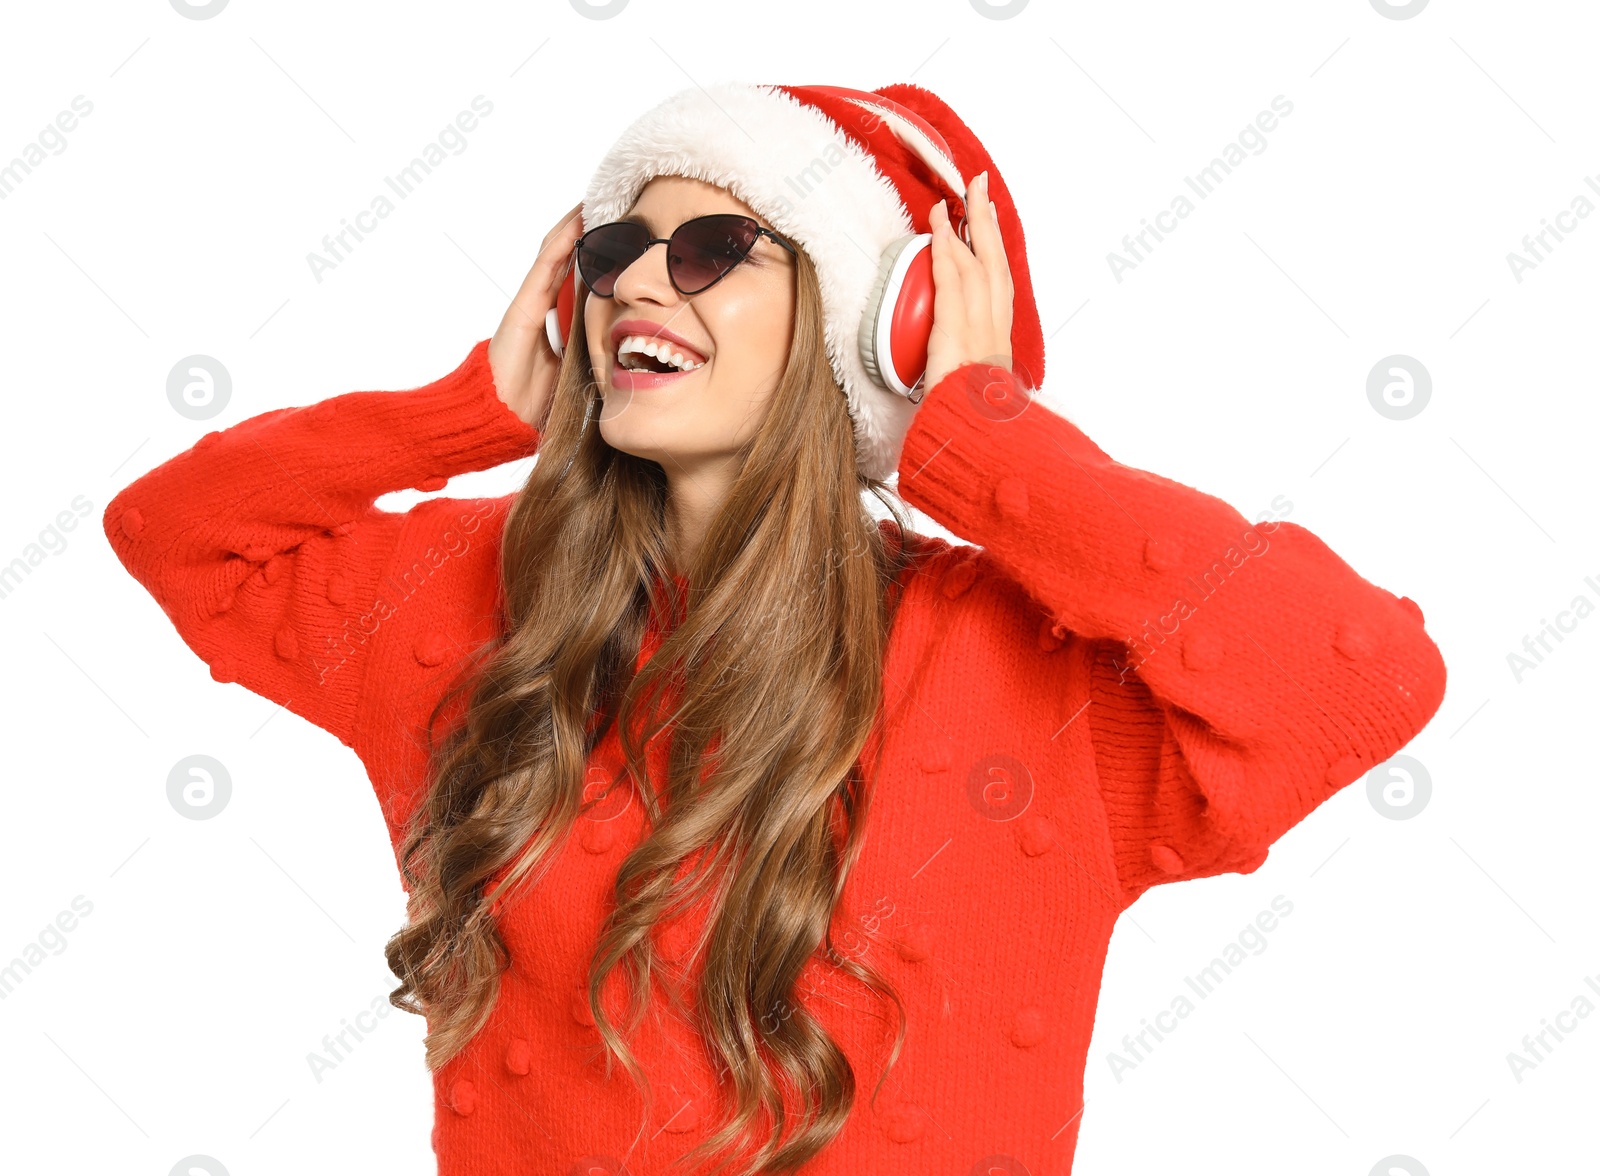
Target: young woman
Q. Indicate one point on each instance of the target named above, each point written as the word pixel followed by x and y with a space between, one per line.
pixel 817 826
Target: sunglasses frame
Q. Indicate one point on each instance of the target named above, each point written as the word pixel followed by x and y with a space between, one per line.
pixel 652 242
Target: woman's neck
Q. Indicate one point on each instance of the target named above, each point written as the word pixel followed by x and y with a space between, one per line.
pixel 693 498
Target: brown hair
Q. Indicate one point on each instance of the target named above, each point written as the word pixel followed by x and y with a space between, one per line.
pixel 778 654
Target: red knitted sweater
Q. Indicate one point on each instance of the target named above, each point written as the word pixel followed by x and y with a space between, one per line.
pixel 1120 682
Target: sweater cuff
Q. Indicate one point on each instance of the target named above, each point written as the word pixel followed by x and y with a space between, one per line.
pixel 470 426
pixel 973 400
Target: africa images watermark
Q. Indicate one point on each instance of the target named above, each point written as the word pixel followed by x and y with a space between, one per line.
pixel 366 1021
pixel 1537 645
pixel 52 139
pixel 50 541
pixel 1251 542
pixel 1566 221
pixel 453 138
pixel 1137 1047
pixel 1203 183
pixel 52 938
pixel 1566 1022
pixel 401 587
pixel 816 172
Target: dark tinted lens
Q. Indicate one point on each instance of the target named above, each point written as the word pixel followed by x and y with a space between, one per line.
pixel 608 250
pixel 704 249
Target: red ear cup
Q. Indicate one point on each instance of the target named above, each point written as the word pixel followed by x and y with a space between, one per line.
pixel 558 319
pixel 898 320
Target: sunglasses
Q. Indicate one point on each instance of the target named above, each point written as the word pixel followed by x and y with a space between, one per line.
pixel 700 252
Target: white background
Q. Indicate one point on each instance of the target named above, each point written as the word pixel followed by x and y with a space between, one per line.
pixel 1377 220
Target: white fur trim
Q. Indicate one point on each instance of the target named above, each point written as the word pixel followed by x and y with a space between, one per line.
pixel 813 184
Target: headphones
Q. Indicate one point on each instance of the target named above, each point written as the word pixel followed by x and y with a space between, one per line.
pixel 898 319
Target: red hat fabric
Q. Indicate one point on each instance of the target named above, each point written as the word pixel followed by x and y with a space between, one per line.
pixel 843 174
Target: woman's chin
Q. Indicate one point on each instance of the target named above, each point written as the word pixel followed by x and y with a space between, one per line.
pixel 623 426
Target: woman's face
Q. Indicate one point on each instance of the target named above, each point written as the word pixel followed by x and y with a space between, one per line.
pixel 741 328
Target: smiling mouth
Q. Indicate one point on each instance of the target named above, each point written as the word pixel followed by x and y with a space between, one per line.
pixel 655 356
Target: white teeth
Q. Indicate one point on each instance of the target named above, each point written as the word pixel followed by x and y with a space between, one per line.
pixel 656 349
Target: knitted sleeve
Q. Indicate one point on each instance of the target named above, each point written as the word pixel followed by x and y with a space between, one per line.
pixel 262 543
pixel 1239 674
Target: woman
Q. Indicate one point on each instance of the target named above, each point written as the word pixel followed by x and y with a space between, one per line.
pixel 691 764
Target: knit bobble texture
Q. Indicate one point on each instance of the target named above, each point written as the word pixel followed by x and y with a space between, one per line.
pixel 1094 691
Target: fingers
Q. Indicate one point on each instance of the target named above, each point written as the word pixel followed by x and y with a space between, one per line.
pixel 970 285
pixel 987 242
pixel 558 245
pixel 949 279
pixel 538 290
pixel 958 258
pixel 990 249
pixel 973 292
pixel 571 212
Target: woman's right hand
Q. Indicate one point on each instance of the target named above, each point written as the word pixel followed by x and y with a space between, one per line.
pixel 520 357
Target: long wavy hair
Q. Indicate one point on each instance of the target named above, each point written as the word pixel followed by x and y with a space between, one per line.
pixel 773 659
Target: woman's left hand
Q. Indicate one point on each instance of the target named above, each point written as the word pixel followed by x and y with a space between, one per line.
pixel 972 291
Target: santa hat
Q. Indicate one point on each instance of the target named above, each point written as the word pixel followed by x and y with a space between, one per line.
pixel 841 174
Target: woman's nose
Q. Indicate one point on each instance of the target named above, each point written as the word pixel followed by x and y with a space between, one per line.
pixel 647 278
